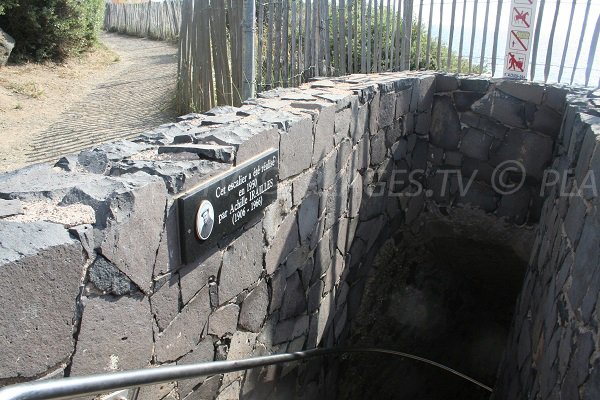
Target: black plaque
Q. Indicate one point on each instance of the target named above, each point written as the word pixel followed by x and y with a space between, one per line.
pixel 224 204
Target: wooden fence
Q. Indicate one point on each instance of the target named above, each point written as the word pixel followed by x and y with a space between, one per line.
pixel 210 54
pixel 296 40
pixel 156 20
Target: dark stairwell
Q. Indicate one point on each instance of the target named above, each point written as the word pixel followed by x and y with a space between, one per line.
pixel 449 299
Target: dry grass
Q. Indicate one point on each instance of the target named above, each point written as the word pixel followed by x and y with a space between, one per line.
pixel 30 89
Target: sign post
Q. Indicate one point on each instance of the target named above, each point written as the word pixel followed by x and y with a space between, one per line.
pixel 520 38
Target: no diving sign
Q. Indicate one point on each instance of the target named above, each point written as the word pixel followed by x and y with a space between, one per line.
pixel 520 34
pixel 519 40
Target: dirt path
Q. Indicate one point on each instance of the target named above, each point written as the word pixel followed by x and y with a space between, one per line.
pixel 47 111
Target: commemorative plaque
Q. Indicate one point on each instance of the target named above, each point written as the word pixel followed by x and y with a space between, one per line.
pixel 223 205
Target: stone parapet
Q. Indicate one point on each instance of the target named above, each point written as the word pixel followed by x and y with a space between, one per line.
pixel 90 252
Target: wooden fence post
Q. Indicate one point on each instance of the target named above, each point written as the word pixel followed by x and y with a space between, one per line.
pixel 249 50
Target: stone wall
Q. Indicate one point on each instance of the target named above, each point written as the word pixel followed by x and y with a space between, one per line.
pixel 91 275
pixel 553 350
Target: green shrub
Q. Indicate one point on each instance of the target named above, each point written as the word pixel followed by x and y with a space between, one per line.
pixel 51 29
pixel 6 5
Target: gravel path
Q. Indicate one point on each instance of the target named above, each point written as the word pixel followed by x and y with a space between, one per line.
pixel 137 96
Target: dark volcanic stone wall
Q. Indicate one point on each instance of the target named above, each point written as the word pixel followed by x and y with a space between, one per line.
pixel 454 263
pixel 91 277
pixel 553 350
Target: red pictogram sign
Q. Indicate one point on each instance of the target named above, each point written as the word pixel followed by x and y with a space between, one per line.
pixel 521 17
pixel 515 62
pixel 519 37
pixel 519 40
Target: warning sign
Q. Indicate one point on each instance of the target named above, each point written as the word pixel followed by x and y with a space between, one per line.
pixel 519 40
pixel 515 62
pixel 521 17
pixel 520 35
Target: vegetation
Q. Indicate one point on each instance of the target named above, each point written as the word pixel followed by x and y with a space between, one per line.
pixel 51 29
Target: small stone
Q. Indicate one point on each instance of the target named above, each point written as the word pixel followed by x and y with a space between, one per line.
pixel 222 110
pixel 208 390
pixel 231 391
pixel 182 335
pixel 101 158
pixel 189 117
pixel 10 207
pixel 67 163
pixel 254 308
pixel 435 155
pixel 136 216
pixel 476 144
pixel 387 109
pixel 547 121
pixel 290 329
pixel 296 148
pixel 424 94
pixel 298 96
pixel 325 316
pixel 284 242
pixel 223 320
pixel 378 149
pixel 219 153
pixel 242 344
pixel 555 98
pixel 108 278
pixel 294 299
pixel 324 132
pixel 204 352
pixel 464 100
pixel 302 186
pixel 532 150
pixel 445 126
pixel 403 100
pixel 342 122
pixel 474 84
pixel 502 107
pixel 242 264
pixel 42 181
pixel 445 83
pixel 314 296
pixel 220 119
pixel 165 301
pixel 85 234
pixel 196 275
pixel 105 343
pixel 515 206
pixel 41 268
pixel 573 222
pixel 526 91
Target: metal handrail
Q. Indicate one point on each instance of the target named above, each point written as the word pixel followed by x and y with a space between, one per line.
pixel 69 388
